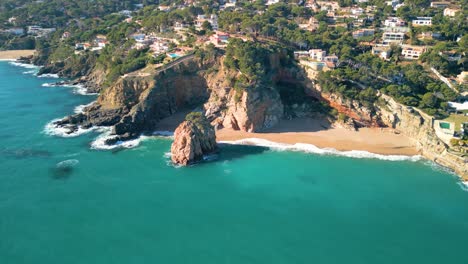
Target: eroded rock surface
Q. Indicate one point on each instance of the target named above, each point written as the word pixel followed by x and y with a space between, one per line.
pixel 193 138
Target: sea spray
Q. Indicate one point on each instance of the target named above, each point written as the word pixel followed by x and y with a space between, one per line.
pixel 52 129
pixel 77 88
pixel 24 65
pixel 463 185
pixel 80 108
pixel 49 75
pixel 100 141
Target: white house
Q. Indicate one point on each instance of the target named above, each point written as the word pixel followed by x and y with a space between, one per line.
pixel 422 21
pixel 393 37
pixel 394 22
pixel 317 54
pixel 272 2
pixel 383 51
pixel 412 52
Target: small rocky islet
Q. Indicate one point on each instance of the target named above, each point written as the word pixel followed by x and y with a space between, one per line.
pixel 193 139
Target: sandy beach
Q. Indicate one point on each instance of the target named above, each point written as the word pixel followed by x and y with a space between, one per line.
pixel 15 54
pixel 316 132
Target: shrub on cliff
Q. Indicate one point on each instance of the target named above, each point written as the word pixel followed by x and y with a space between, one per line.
pixel 197 118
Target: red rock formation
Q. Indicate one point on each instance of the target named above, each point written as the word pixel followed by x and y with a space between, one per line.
pixel 193 139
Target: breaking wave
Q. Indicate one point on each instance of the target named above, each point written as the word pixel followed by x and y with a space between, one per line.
pixel 80 108
pixel 64 131
pixel 464 185
pixel 309 148
pixel 77 89
pixel 30 72
pixel 24 65
pixel 48 75
pixel 100 141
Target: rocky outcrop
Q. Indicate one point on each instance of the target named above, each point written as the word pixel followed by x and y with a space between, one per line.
pixel 419 127
pixel 193 139
pixel 135 103
pixel 252 110
pixel 138 101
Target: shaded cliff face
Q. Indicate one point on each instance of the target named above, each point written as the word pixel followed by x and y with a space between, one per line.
pixel 193 140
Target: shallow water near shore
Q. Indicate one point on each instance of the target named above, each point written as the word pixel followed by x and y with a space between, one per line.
pixel 63 202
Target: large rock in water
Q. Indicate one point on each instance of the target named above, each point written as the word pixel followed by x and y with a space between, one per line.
pixel 193 138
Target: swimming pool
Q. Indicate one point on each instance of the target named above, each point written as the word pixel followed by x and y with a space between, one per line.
pixel 173 55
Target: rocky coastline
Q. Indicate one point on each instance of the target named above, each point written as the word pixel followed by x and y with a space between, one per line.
pixel 135 103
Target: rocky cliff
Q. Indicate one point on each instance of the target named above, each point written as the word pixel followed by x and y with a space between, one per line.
pixel 251 110
pixel 406 120
pixel 136 102
pixel 193 138
pixel 419 127
pixel 360 114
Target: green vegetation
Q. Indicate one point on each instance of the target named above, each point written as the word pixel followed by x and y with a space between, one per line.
pixel 422 91
pixel 335 82
pixel 194 117
pixel 58 13
pixel 457 119
pixel 117 63
pixel 272 32
pixel 198 119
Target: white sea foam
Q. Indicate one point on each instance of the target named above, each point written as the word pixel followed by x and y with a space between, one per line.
pixel 12 60
pixel 64 131
pixel 24 65
pixel 100 141
pixel 80 108
pixel 464 185
pixel 77 89
pixel 30 72
pixel 67 163
pixel 48 75
pixel 309 148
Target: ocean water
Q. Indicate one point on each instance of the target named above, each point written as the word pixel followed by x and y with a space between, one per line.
pixel 63 202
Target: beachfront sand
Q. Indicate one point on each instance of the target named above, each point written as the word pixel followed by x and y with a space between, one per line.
pixel 319 133
pixel 15 54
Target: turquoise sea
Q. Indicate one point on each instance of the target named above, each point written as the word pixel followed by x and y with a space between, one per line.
pixel 63 202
